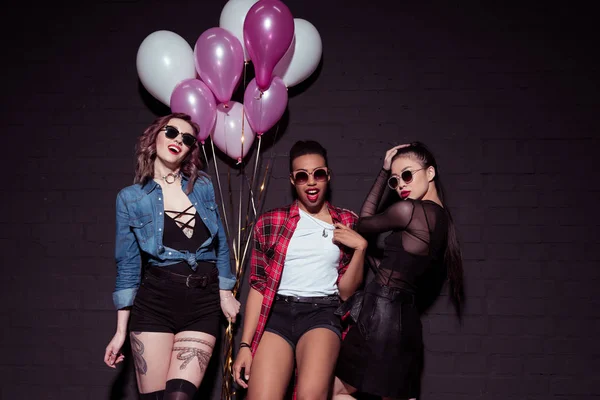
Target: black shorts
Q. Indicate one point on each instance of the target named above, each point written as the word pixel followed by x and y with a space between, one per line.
pixel 167 302
pixel 291 320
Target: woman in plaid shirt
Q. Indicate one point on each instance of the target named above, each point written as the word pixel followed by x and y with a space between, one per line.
pixel 306 259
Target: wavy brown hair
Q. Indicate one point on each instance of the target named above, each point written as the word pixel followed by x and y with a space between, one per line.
pixel 191 166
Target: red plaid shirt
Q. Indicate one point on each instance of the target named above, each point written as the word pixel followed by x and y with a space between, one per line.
pixel 272 234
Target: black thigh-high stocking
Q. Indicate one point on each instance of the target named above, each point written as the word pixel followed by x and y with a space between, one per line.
pixel 158 395
pixel 179 389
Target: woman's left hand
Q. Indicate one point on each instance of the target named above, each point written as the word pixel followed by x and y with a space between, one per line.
pixel 348 237
pixel 112 353
pixel 229 305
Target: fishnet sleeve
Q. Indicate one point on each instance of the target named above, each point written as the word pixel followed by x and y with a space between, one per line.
pixel 371 203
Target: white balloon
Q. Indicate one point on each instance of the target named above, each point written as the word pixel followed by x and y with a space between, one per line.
pixel 303 56
pixel 232 19
pixel 163 60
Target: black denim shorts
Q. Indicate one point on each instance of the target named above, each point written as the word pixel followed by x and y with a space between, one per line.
pixel 291 320
pixel 176 305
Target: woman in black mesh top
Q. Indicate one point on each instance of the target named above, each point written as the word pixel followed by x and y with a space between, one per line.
pixel 382 352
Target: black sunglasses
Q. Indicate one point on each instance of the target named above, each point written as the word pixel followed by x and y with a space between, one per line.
pixel 187 138
pixel 406 176
pixel 319 174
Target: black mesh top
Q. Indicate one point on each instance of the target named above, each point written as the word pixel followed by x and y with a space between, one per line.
pixel 417 241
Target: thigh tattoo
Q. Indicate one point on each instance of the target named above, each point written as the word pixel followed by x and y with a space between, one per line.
pixel 187 354
pixel 137 348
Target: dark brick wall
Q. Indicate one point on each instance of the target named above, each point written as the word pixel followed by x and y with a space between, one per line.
pixel 506 98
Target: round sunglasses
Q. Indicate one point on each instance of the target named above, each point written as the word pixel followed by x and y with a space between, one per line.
pixel 172 132
pixel 319 175
pixel 406 176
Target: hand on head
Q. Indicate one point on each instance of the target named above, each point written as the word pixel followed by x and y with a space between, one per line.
pixel 389 155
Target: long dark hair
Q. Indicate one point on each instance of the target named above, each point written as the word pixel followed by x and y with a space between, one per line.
pixel 453 256
pixel 191 166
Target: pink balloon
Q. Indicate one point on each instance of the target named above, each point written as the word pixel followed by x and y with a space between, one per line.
pixel 230 136
pixel 195 99
pixel 219 59
pixel 264 109
pixel 268 33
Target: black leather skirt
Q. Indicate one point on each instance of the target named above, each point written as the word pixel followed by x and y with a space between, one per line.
pixel 382 352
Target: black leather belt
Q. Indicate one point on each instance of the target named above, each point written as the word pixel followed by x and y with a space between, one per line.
pixel 191 280
pixel 334 299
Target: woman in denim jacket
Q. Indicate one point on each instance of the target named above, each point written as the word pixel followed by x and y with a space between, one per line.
pixel 173 267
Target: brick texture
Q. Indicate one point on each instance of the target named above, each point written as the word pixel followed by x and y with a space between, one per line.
pixel 507 98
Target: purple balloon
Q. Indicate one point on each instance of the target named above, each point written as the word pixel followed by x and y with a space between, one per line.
pixel 219 58
pixel 195 99
pixel 264 109
pixel 268 33
pixel 233 135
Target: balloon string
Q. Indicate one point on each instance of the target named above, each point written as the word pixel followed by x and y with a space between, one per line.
pixel 256 162
pixel 251 201
pixel 250 194
pixel 228 364
pixel 239 232
pixel 266 178
pixel 235 255
pixel 268 173
pixel 251 183
pixel 228 361
pixel 242 170
pixel 260 105
pixel 219 186
pixel 225 115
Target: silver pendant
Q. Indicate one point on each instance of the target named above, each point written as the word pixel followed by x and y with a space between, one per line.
pixel 325 234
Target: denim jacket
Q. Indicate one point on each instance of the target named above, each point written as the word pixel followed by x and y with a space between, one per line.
pixel 139 234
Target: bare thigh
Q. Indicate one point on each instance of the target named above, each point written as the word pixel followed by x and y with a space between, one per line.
pixel 341 390
pixel 191 352
pixel 151 356
pixel 271 368
pixel 316 355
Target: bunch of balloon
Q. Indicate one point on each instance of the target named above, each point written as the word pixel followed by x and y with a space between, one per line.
pixel 201 82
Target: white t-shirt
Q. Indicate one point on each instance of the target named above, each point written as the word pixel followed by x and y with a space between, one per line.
pixel 312 260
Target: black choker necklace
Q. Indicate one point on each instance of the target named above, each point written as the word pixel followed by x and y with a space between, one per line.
pixel 171 177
